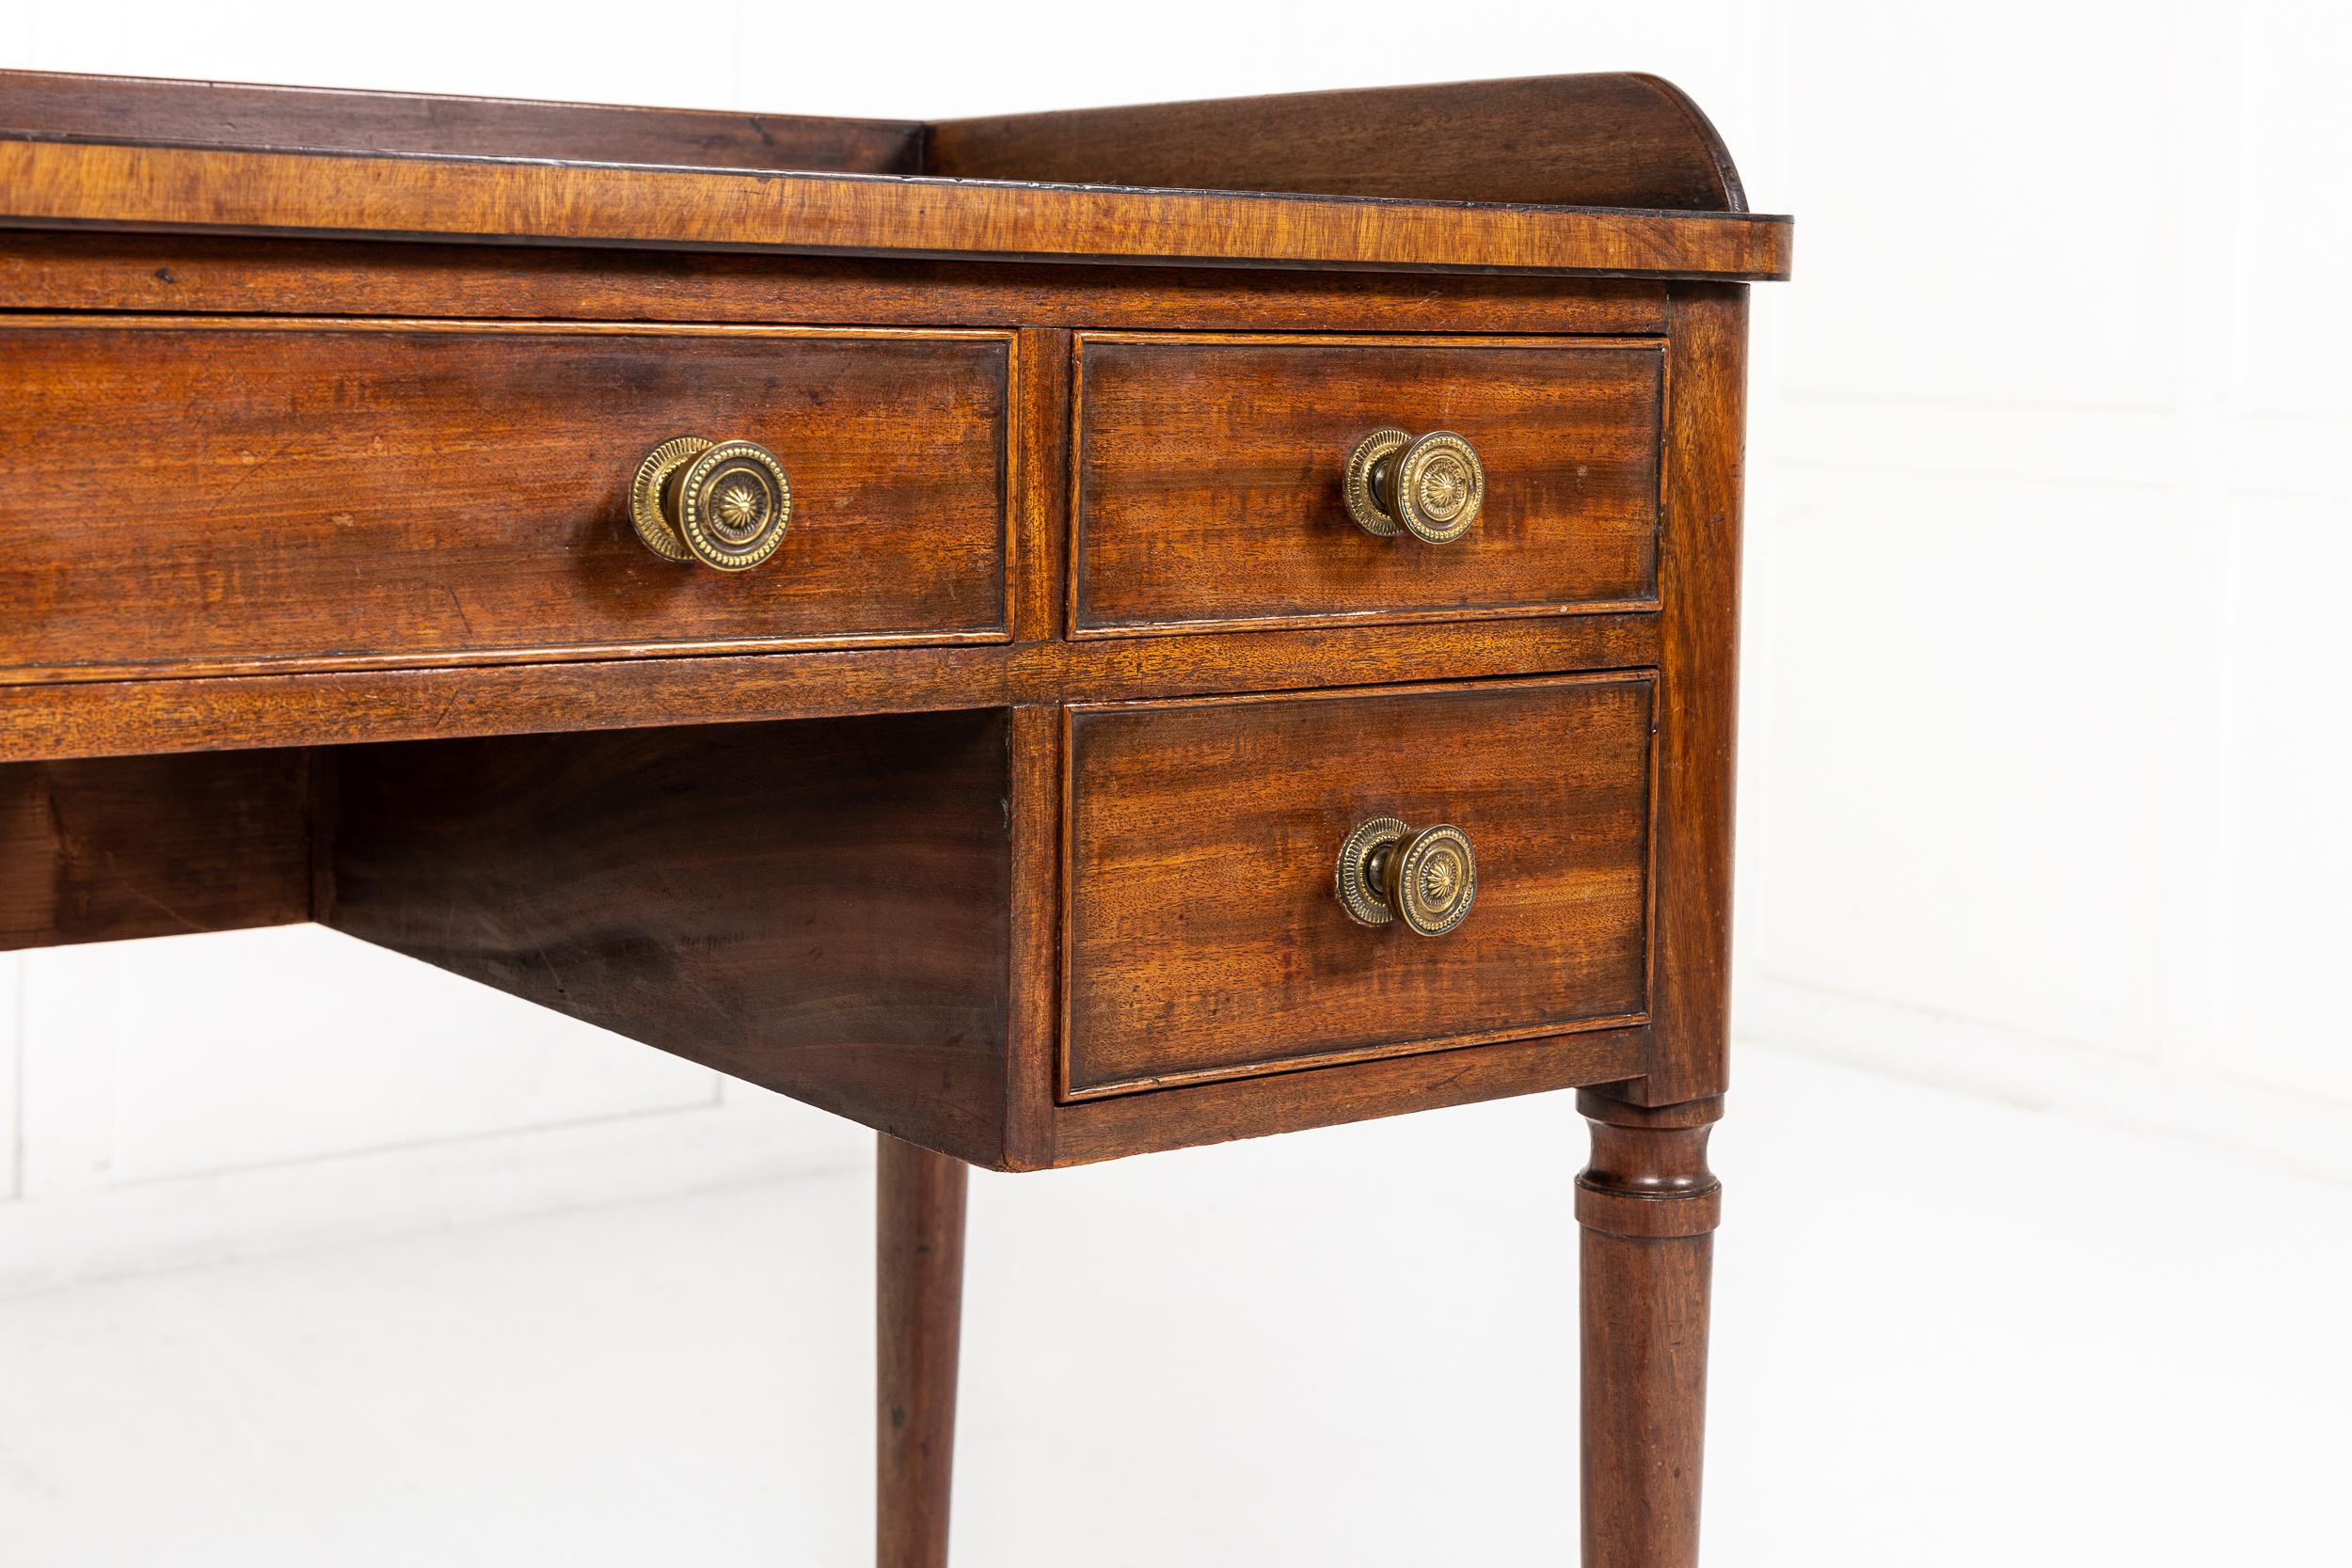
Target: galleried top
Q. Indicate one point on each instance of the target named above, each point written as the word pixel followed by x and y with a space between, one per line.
pixel 1613 174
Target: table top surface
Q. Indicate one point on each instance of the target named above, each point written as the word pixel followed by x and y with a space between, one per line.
pixel 1612 175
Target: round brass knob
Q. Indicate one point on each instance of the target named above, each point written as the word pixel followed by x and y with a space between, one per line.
pixel 1424 879
pixel 724 504
pixel 1429 489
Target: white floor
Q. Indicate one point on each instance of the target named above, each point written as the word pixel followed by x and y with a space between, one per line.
pixel 1948 1332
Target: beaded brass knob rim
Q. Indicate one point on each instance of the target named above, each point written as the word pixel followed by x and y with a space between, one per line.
pixel 1389 873
pixel 646 489
pixel 1358 878
pixel 727 505
pixel 1431 487
pixel 1370 510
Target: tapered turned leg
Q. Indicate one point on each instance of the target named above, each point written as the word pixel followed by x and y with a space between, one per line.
pixel 1648 1206
pixel 919 1301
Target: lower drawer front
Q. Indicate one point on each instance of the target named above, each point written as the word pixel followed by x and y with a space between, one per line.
pixel 250 493
pixel 1205 935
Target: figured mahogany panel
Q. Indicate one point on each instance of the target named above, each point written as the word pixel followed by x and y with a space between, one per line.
pixel 1225 1109
pixel 248 493
pixel 98 850
pixel 1209 478
pixel 226 114
pixel 1606 139
pixel 119 717
pixel 177 272
pixel 1204 937
pixel 1699 630
pixel 817 908
pixel 50 184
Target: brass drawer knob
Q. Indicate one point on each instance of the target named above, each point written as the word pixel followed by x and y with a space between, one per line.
pixel 1429 489
pixel 724 504
pixel 1425 878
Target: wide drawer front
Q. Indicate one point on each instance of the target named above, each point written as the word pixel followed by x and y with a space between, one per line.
pixel 1207 932
pixel 1213 476
pixel 233 493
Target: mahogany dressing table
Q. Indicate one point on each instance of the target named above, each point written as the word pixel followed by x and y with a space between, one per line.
pixel 1055 637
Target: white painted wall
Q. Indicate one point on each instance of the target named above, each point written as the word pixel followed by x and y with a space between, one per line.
pixel 2046 747
pixel 2046 691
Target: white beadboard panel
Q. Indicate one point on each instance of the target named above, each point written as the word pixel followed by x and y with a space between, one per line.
pixel 262 1047
pixel 1335 43
pixel 1759 691
pixel 2301 455
pixel 11 1066
pixel 939 61
pixel 1989 200
pixel 1077 52
pixel 2022 441
pixel 591 51
pixel 2289 1128
pixel 2296 227
pixel 2286 1018
pixel 1963 792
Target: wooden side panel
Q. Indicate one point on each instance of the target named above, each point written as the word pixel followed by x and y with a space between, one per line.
pixel 243 494
pixel 1209 478
pixel 1698 693
pixel 1610 139
pixel 1204 937
pixel 151 846
pixel 1034 983
pixel 223 114
pixel 816 908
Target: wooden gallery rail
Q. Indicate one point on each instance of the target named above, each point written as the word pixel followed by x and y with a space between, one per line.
pixel 1056 636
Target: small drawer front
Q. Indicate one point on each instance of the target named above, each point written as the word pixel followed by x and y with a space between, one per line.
pixel 1206 935
pixel 1210 478
pixel 250 493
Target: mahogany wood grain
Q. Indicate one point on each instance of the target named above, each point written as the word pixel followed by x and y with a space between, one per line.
pixel 919 1215
pixel 819 909
pixel 1034 1022
pixel 1208 477
pixel 151 846
pixel 1648 1207
pixel 50 184
pixel 226 114
pixel 1121 1125
pixel 1040 518
pixel 1204 939
pixel 340 706
pixel 184 273
pixel 1699 690
pixel 1606 139
pixel 430 493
